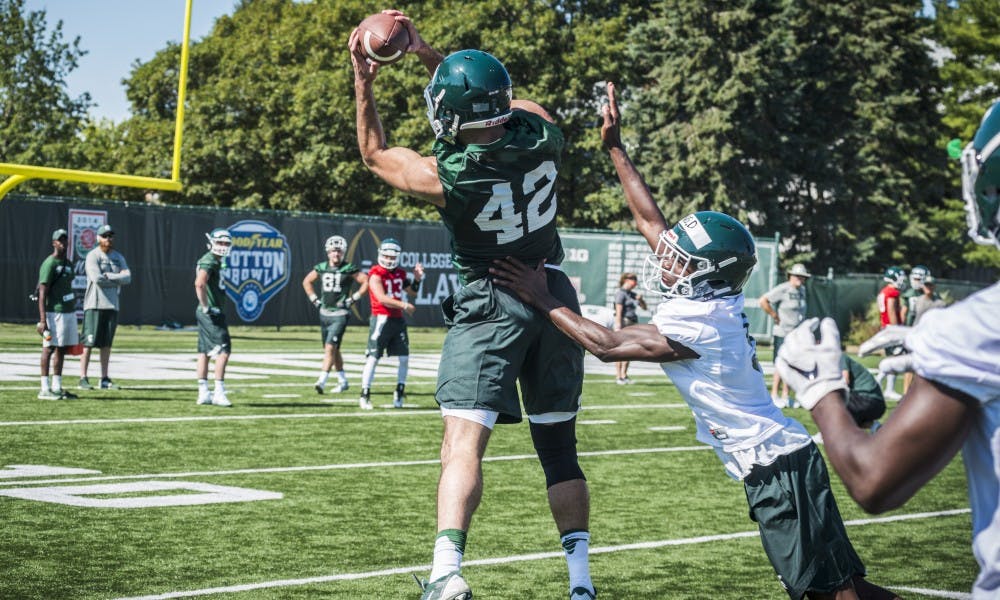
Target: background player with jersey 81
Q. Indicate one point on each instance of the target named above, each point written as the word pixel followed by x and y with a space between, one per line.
pixel 334 301
pixel 699 337
pixel 213 332
pixel 388 288
pixel 492 177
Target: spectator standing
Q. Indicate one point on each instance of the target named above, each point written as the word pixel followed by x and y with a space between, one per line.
pixel 213 332
pixel 928 300
pixel 626 303
pixel 56 316
pixel 786 304
pixel 107 272
pixel 388 288
pixel 334 301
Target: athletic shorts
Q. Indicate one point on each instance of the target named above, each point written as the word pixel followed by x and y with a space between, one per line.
pixel 800 527
pixel 495 341
pixel 332 327
pixel 99 326
pixel 63 329
pixel 865 407
pixel 776 342
pixel 213 334
pixel 387 335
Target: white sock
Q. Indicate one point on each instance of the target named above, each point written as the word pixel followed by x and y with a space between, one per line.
pixel 404 367
pixel 448 550
pixel 323 376
pixel 342 377
pixel 368 374
pixel 576 545
pixel 220 386
pixel 890 383
pixel 57 382
pixel 45 384
pixel 202 386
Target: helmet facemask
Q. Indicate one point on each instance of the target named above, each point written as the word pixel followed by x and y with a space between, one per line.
pixel 388 254
pixel 674 273
pixel 220 242
pixel 335 243
pixel 980 182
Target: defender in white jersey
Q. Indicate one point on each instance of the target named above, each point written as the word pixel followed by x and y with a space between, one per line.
pixel 700 338
pixel 954 401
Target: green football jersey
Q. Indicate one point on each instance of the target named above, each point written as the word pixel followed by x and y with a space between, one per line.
pixel 860 380
pixel 335 283
pixel 214 291
pixel 57 274
pixel 500 198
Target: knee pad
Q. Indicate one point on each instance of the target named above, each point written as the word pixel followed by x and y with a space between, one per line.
pixel 556 448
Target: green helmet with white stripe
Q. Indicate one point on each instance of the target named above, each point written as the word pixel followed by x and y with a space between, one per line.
pixel 707 254
pixel 981 180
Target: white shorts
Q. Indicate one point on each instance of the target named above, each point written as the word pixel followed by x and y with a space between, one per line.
pixel 63 328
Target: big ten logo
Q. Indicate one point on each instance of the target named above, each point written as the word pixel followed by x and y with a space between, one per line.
pixel 258 267
pixel 581 255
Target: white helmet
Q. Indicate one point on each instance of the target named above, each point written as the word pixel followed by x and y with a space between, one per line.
pixel 388 253
pixel 220 241
pixel 335 242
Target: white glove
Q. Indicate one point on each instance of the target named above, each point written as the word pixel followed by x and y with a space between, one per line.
pixel 891 335
pixel 811 369
pixel 893 365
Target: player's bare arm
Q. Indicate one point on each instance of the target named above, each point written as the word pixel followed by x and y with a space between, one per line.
pixel 307 285
pixel 766 305
pixel 402 168
pixel 362 280
pixel 43 295
pixel 418 276
pixel 200 285
pixel 429 57
pixel 532 107
pixel 892 306
pixel 648 217
pixel 640 342
pixel 883 471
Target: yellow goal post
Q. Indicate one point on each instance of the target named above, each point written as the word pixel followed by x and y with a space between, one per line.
pixel 18 174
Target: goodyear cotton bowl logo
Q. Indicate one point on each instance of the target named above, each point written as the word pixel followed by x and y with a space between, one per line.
pixel 258 266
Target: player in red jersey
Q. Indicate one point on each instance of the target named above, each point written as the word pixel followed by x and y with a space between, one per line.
pixel 387 283
pixel 890 312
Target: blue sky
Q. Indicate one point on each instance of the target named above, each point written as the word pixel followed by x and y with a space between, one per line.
pixel 116 33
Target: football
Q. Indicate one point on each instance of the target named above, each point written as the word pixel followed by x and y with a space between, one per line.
pixel 383 38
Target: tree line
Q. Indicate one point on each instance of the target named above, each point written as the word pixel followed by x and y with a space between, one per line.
pixel 823 122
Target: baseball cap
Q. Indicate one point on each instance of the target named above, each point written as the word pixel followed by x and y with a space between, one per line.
pixel 104 230
pixel 59 233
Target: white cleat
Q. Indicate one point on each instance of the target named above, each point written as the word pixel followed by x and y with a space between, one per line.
pixel 204 397
pixel 219 399
pixel 450 587
pixel 364 403
pixel 893 395
pixel 343 386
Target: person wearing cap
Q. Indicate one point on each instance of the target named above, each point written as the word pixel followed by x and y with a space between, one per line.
pixel 107 272
pixel 786 304
pixel 56 316
pixel 928 300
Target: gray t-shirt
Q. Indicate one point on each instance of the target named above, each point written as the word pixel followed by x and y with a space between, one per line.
pixel 790 304
pixel 106 273
pixel 922 304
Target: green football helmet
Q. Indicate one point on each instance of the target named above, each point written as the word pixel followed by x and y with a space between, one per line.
pixel 388 253
pixel 896 276
pixel 981 180
pixel 706 255
pixel 220 241
pixel 469 90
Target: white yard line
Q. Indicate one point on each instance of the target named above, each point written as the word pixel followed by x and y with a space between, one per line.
pixel 335 467
pixel 544 556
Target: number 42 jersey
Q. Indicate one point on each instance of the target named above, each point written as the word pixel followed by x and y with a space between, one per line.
pixel 500 198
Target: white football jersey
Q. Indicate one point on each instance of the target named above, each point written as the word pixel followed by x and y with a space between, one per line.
pixel 959 347
pixel 725 387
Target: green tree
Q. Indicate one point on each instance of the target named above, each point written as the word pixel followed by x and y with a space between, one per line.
pixel 812 119
pixel 39 121
pixel 968 34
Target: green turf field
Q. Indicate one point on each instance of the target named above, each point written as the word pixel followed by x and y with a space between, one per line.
pixel 355 516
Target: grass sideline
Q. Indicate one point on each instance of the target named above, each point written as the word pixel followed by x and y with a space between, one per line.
pixel 357 509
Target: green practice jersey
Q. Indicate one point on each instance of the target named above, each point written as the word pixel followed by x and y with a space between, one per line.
pixel 500 198
pixel 57 273
pixel 859 379
pixel 335 283
pixel 214 291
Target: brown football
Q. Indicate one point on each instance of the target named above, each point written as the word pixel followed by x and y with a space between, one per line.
pixel 383 38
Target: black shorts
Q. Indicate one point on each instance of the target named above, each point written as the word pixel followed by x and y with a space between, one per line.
pixel 213 334
pixel 387 335
pixel 99 326
pixel 332 327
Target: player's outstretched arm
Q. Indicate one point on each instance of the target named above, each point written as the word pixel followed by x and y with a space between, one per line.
pixel 884 470
pixel 649 219
pixel 640 342
pixel 402 168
